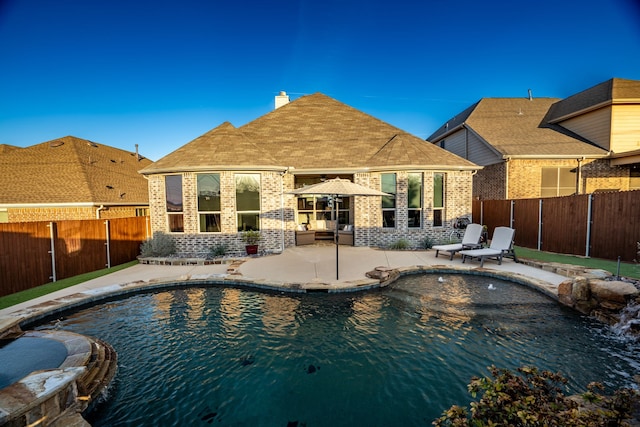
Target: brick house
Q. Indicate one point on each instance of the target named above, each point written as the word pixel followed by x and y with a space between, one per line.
pixel 234 179
pixel 545 147
pixel 69 179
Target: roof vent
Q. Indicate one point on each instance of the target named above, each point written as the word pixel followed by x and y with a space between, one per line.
pixel 92 144
pixel 56 143
pixel 530 95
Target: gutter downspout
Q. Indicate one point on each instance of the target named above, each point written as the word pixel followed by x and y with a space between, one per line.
pixel 579 176
pixel 282 221
pixel 506 177
pixel 101 208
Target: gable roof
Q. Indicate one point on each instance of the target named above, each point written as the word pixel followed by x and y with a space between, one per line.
pixel 519 127
pixel 610 92
pixel 72 170
pixel 314 132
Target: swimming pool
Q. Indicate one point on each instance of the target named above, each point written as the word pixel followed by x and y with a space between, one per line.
pixel 394 356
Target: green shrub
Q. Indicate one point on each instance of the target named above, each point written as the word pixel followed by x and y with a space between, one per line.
pixel 251 237
pixel 218 250
pixel 400 244
pixel 160 244
pixel 427 243
pixel 535 398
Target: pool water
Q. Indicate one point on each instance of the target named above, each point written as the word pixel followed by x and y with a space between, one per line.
pixel 397 356
pixel 19 357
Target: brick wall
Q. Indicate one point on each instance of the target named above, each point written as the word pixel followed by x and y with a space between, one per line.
pixel 278 212
pixel 525 177
pixel 599 175
pixel 457 203
pixel 488 183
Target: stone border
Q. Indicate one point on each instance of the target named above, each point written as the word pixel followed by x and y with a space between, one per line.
pixel 45 395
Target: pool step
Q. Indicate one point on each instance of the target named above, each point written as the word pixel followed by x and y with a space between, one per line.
pixel 101 369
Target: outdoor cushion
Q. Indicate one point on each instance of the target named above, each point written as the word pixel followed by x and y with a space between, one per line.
pixel 501 246
pixel 470 240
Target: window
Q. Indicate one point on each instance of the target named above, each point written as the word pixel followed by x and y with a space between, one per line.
pixel 4 215
pixel 557 182
pixel 414 200
pixel 209 202
pixel 388 185
pixel 248 201
pixel 173 191
pixel 312 209
pixel 142 212
pixel 438 199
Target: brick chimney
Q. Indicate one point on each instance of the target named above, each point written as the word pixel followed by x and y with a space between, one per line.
pixel 282 99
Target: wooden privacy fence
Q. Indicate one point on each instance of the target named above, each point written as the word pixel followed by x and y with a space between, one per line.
pixel 599 225
pixel 35 253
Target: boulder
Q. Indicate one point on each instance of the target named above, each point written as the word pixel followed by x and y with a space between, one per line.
pixel 613 291
pixel 581 290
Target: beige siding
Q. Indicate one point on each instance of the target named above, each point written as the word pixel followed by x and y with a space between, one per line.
pixel 594 126
pixel 625 128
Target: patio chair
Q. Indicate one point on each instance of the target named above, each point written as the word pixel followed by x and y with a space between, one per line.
pixel 501 246
pixel 304 236
pixel 345 235
pixel 470 240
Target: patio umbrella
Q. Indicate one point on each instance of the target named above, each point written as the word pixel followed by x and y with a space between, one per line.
pixel 336 188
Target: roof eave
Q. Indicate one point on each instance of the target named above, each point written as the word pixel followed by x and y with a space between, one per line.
pixel 71 204
pixel 177 169
pixel 555 156
pixel 608 102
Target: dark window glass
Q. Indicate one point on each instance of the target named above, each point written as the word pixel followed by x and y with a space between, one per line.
pixel 173 189
pixel 209 192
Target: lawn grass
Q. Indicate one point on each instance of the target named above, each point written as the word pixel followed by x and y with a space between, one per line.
pixel 29 294
pixel 626 269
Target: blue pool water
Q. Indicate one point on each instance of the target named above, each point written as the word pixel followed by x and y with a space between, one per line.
pixel 393 357
pixel 21 356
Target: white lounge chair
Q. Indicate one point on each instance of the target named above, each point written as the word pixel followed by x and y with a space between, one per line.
pixel 501 246
pixel 470 240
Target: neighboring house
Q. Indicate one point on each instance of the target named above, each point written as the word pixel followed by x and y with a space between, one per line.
pixel 233 179
pixel 544 147
pixel 71 178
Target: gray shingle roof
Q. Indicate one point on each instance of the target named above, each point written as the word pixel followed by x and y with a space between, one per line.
pixel 72 170
pixel 519 127
pixel 312 132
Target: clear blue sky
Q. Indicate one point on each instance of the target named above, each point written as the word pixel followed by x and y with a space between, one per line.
pixel 160 73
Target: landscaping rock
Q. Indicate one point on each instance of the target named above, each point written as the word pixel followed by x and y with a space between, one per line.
pixel 613 291
pixel 581 289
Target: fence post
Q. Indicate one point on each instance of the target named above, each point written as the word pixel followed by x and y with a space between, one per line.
pixel 108 243
pixel 540 225
pixel 587 251
pixel 513 203
pixel 52 252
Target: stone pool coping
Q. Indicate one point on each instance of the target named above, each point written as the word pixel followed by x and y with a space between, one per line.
pixel 45 395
